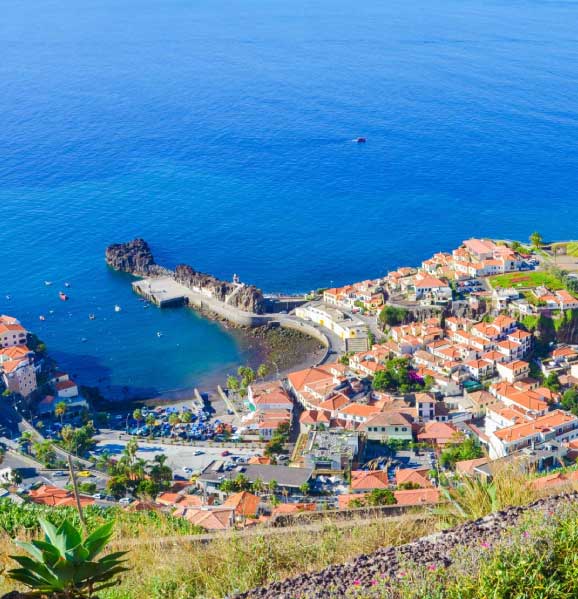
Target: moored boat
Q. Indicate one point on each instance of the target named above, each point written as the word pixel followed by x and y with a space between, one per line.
pixel 62 296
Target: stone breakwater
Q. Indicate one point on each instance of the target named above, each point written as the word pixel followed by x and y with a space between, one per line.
pixel 136 258
pixel 435 550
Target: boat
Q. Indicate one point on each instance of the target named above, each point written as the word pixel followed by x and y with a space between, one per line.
pixel 67 284
pixel 62 296
pixel 159 334
pixel 117 308
pixel 91 316
pixel 84 340
pixel 360 140
pixel 8 297
pixel 42 317
pixel 48 283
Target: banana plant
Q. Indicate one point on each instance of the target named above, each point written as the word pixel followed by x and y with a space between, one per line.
pixel 63 565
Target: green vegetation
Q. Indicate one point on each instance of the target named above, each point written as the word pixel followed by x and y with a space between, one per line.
pixel 397 376
pixel 570 401
pixel 375 497
pixel 277 443
pixel 468 449
pixel 572 249
pixel 536 239
pixel 64 565
pixel 78 440
pixel 391 316
pixel 528 280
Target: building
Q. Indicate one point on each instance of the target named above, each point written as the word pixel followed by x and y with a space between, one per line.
pixel 556 426
pixel 269 397
pixel 387 426
pixel 334 450
pixel 343 325
pixel 11 332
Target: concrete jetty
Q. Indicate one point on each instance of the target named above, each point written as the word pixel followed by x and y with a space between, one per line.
pixel 164 291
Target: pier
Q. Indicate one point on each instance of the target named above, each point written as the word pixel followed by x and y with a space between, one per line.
pixel 164 292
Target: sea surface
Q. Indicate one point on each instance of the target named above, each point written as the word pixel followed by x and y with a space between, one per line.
pixel 221 131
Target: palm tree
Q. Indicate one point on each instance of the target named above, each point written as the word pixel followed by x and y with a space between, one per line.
pixel 174 419
pixel 60 410
pixel 262 371
pixel 137 415
pixel 186 417
pixel 233 383
pixel 304 488
pixel 258 486
pixel 272 486
pixel 130 450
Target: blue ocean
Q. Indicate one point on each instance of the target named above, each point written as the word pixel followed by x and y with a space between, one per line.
pixel 221 131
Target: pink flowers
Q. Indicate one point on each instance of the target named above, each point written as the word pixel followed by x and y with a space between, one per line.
pixel 357 583
pixel 485 544
pixel 432 568
pixel 373 582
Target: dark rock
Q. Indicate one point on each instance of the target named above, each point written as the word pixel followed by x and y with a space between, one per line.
pixel 247 298
pixel 134 257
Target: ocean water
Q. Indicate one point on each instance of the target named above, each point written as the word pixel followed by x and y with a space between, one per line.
pixel 221 131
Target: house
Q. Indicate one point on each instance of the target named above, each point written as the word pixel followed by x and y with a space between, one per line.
pixel 316 384
pixel 357 412
pixel 343 325
pixel 385 426
pixel 311 419
pixel 269 397
pixel 66 388
pixel 11 332
pixel 425 405
pixel 417 497
pixel 468 467
pixel 332 450
pixel 19 376
pixel 555 426
pixel 367 480
pixel 412 476
pixel 57 497
pixel 210 518
pixel 439 434
pixel 243 503
pixel 293 508
pixel 428 286
pixel 513 371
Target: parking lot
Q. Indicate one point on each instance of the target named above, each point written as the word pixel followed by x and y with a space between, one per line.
pixel 178 456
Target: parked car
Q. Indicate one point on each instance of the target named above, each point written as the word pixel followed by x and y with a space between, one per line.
pixel 125 501
pixel 225 453
pixel 98 496
pixel 199 452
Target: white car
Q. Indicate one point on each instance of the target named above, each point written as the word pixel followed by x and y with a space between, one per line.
pixel 125 501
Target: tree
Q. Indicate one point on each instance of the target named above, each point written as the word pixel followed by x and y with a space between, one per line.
pixel 147 489
pixel 186 417
pixel 262 371
pixel 65 565
pixel 272 485
pixel 174 419
pixel 305 489
pixel 536 239
pixel 137 415
pixel 381 497
pixel 258 485
pixel 391 316
pixel 130 451
pixel 117 486
pixel 150 420
pixel 60 410
pixel 552 382
pixel 468 449
pixel 570 401
pixel 233 383
pixel 45 453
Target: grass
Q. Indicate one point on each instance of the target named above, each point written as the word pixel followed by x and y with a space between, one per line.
pixel 536 560
pixel 182 569
pixel 527 280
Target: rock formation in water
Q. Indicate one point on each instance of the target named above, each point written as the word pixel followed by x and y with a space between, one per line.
pixel 247 297
pixel 134 257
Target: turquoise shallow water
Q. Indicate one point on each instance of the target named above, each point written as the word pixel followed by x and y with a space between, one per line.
pixel 221 130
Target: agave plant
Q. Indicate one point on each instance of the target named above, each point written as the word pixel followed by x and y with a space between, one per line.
pixel 63 566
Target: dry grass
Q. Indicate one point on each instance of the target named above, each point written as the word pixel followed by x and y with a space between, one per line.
pixel 235 563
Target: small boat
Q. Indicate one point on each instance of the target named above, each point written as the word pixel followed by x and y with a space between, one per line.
pixel 360 140
pixel 8 297
pixel 42 317
pixel 48 283
pixel 62 296
pixel 84 340
pixel 51 311
pixel 117 308
pixel 67 284
pixel 159 334
pixel 91 316
pixel 147 306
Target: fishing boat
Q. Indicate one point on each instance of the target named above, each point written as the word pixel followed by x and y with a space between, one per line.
pixel 91 316
pixel 360 140
pixel 42 317
pixel 67 284
pixel 159 334
pixel 62 296
pixel 48 283
pixel 117 308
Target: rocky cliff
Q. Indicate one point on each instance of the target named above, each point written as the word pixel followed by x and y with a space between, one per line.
pixel 134 257
pixel 247 297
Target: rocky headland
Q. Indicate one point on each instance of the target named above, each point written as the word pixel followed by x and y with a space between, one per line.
pixel 136 258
